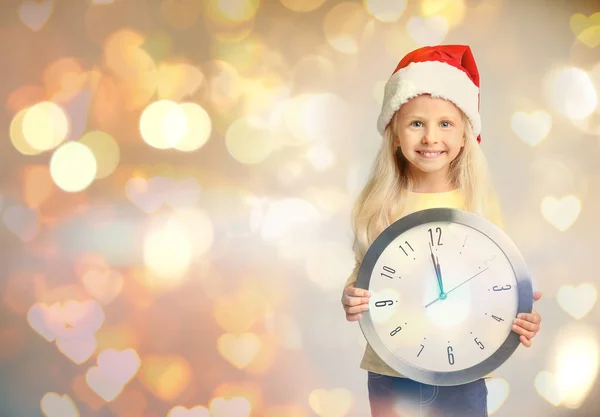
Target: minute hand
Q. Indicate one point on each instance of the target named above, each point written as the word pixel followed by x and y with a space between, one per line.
pixel 462 283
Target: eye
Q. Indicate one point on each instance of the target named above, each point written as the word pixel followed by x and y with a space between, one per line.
pixel 413 123
pixel 446 123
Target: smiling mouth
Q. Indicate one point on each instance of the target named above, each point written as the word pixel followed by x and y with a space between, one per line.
pixel 431 154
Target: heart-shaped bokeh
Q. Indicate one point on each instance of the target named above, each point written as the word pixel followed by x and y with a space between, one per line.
pixel 586 29
pixel 165 376
pixel 45 319
pixel 561 213
pixel 79 348
pixel 121 366
pixel 197 411
pixel 533 128
pixel 35 14
pixel 102 385
pixel 239 350
pixel 239 311
pixel 546 386
pixel 330 403
pixel 148 195
pixel 228 407
pixel 104 285
pixel 115 369
pixel 72 325
pixel 498 390
pixel 577 301
pixel 56 405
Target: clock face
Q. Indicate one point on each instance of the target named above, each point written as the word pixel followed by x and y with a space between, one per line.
pixel 444 295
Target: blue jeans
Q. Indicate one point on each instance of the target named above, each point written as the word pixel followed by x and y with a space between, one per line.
pixel 402 397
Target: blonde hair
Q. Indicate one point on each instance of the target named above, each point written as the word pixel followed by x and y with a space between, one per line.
pixel 382 199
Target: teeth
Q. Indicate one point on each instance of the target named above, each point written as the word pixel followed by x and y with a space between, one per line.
pixel 430 153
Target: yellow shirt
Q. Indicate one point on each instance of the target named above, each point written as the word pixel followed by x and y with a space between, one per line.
pixel 416 202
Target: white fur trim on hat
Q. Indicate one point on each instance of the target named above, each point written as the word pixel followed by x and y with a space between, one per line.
pixel 430 77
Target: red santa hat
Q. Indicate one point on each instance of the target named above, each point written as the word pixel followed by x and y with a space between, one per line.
pixel 445 71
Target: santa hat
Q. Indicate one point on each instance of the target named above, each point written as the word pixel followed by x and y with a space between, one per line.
pixel 445 71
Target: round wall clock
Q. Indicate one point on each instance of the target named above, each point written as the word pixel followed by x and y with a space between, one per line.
pixel 446 285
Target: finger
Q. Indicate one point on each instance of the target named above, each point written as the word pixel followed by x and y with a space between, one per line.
pixel 357 309
pixel 526 342
pixel 358 292
pixel 352 317
pixel 533 317
pixel 354 301
pixel 527 325
pixel 537 295
pixel 523 332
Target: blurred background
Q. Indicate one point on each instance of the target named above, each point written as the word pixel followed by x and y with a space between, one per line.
pixel 177 178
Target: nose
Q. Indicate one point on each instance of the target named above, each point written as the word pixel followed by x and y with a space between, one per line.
pixel 430 136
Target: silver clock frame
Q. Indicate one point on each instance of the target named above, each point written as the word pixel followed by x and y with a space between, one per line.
pixel 506 245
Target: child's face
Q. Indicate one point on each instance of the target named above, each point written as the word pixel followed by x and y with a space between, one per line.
pixel 430 133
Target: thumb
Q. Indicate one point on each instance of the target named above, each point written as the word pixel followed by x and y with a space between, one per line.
pixel 537 295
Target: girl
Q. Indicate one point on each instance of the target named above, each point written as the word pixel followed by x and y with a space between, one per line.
pixel 429 157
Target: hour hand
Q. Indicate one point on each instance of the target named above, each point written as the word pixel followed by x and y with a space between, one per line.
pixel 440 280
pixel 437 271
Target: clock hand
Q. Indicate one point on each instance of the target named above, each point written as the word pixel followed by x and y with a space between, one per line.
pixel 440 282
pixel 462 283
pixel 437 272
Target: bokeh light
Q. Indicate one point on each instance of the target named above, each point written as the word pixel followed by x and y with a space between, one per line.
pixel 572 93
pixel 45 126
pixel 199 127
pixel 53 404
pixel 429 30
pixel 347 26
pixel 531 128
pixel 385 11
pixel 73 167
pixel 303 6
pixel 168 250
pixel 576 359
pixel 249 141
pixel 64 77
pixel 106 152
pixel 498 391
pixel 133 67
pixel 233 10
pixel 453 11
pixel 163 124
pixel 561 213
pixel 177 81
pixel 165 376
pixel 321 157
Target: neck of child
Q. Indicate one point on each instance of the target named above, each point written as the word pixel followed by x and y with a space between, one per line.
pixel 432 183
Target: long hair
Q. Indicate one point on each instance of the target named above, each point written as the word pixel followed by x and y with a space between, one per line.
pixel 382 199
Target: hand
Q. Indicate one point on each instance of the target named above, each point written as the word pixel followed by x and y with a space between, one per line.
pixel 438 273
pixel 439 269
pixel 527 325
pixel 355 300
